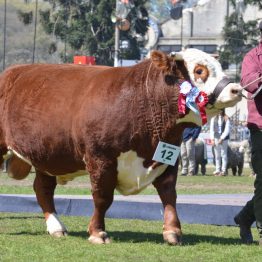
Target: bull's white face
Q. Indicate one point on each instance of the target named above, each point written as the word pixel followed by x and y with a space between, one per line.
pixel 205 73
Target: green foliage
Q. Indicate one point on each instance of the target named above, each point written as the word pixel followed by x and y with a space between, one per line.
pixel 254 2
pixel 247 2
pixel 87 28
pixel 25 17
pixel 239 36
pixel 20 37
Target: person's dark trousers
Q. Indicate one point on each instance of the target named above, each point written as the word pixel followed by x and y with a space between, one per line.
pixel 252 211
pixel 256 158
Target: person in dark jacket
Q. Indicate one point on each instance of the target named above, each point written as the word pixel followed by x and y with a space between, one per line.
pixel 188 150
pixel 251 80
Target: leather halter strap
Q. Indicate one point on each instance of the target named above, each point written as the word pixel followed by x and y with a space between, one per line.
pixel 218 89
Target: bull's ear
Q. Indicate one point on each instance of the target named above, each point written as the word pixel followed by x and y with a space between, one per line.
pixel 162 61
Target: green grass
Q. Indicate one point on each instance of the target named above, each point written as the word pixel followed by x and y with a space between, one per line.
pixel 199 184
pixel 23 238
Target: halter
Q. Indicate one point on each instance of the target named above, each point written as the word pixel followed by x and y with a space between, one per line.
pixel 218 89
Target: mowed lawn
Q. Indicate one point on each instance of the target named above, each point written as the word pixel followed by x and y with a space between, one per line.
pixel 199 184
pixel 23 238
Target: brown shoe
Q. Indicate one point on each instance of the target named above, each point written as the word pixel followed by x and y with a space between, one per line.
pixel 245 230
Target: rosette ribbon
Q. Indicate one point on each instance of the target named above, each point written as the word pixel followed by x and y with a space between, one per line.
pixel 195 100
pixel 201 102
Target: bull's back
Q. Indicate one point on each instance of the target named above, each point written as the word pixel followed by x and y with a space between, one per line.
pixel 39 103
pixel 48 94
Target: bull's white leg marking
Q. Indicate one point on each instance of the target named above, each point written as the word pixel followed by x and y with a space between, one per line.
pixel 133 177
pixel 54 225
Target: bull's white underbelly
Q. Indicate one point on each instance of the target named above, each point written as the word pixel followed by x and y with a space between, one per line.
pixel 132 178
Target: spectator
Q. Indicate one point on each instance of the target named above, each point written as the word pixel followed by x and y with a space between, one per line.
pixel 251 80
pixel 243 131
pixel 188 161
pixel 219 135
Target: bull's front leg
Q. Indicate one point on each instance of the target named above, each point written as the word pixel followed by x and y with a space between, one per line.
pixel 103 176
pixel 44 187
pixel 166 188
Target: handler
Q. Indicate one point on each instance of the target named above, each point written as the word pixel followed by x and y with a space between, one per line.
pixel 251 80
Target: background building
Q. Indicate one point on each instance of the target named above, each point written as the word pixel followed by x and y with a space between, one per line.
pixel 200 26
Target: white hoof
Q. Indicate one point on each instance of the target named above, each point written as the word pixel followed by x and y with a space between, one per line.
pixel 102 238
pixel 55 227
pixel 59 234
pixel 172 238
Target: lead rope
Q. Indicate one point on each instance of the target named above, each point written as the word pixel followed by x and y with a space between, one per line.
pixel 258 90
pixel 152 112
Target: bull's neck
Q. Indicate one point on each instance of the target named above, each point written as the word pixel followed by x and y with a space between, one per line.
pixel 157 104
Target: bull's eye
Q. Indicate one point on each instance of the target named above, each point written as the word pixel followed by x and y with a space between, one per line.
pixel 199 71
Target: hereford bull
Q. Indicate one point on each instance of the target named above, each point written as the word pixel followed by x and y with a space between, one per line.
pixel 69 119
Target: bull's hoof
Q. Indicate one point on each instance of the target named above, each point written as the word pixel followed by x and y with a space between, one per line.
pixel 102 238
pixel 59 234
pixel 172 238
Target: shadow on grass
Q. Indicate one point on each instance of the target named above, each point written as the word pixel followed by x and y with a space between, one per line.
pixel 193 239
pixel 23 217
pixel 140 237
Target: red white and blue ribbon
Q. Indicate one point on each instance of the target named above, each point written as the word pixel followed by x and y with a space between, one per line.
pixel 195 100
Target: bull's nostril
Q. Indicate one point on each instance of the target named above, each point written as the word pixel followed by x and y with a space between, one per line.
pixel 235 91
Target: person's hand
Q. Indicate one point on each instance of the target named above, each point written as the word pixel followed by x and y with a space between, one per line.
pixel 220 141
pixel 212 142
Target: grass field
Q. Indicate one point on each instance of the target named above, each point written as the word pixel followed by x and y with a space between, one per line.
pixel 199 184
pixel 23 238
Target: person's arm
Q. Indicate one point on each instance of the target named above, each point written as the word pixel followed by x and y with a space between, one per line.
pixel 226 130
pixel 250 72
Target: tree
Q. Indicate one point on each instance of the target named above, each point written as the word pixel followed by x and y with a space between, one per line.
pixel 254 2
pixel 86 27
pixel 239 36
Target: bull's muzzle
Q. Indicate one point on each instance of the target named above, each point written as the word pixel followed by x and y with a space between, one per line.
pixel 236 90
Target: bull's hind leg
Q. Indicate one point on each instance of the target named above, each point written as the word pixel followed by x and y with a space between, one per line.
pixel 103 180
pixel 44 187
pixel 166 188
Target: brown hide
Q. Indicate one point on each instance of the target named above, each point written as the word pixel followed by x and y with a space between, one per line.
pixel 68 118
pixel 17 168
pixel 57 115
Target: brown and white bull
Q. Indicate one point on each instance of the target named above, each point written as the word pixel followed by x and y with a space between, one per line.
pixel 107 122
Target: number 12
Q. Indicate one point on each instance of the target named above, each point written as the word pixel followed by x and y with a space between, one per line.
pixel 167 154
